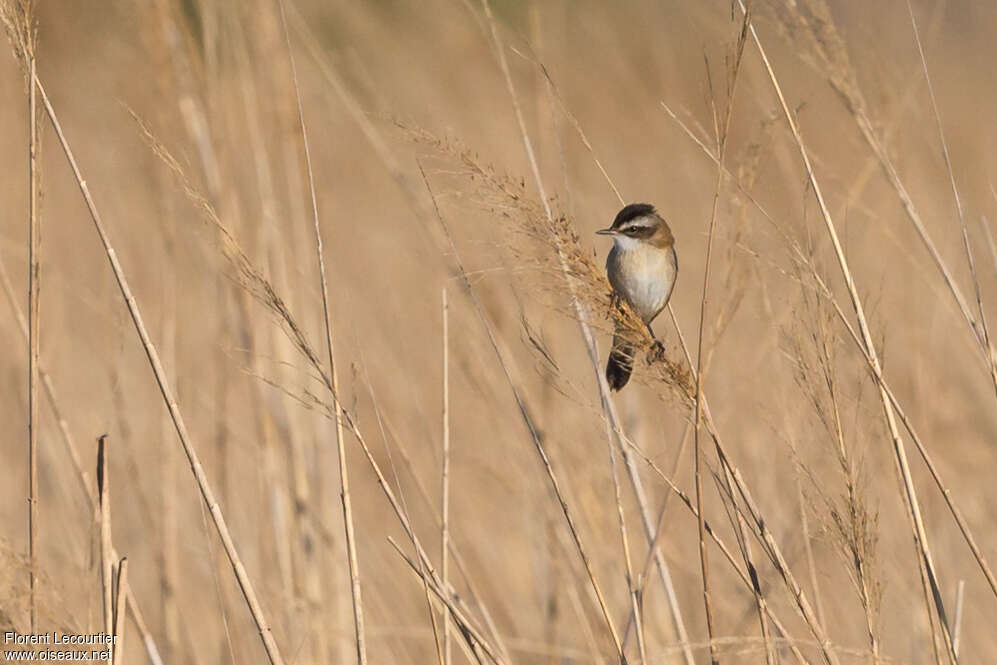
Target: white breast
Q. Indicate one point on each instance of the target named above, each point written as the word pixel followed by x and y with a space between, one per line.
pixel 642 274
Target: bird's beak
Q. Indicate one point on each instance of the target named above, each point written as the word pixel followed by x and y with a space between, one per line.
pixel 606 232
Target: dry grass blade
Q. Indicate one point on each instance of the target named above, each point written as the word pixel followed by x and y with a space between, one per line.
pixel 358 619
pixel 834 58
pixel 563 237
pixel 915 437
pixel 983 332
pixel 445 473
pixel 910 492
pixel 120 608
pixel 534 435
pixel 772 548
pixel 849 520
pixel 245 585
pixel 152 651
pixel 34 331
pixel 957 621
pixel 580 276
pixel 425 566
pixel 252 279
pixel 722 136
pixel 721 545
pixel 19 21
pixel 632 590
pixel 922 449
pixel 106 557
pixel 682 382
pixel 722 133
pixel 430 608
pixel 452 550
pixel 82 475
pixel 475 641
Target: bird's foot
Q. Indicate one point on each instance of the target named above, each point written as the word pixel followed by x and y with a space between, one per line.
pixel 656 353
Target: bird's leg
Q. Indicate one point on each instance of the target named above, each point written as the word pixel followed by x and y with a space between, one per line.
pixel 657 350
pixel 614 301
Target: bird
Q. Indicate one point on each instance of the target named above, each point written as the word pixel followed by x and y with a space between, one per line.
pixel 642 268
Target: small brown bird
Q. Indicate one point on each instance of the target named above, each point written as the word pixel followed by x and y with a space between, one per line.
pixel 642 268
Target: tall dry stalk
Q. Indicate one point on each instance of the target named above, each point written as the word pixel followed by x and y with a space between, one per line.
pixel 852 525
pixel 534 435
pixel 721 133
pixel 18 19
pixel 34 330
pixel 204 485
pixel 528 146
pixel 120 609
pixel 251 278
pixel 632 590
pixel 358 619
pixel 983 330
pixel 651 532
pixel 581 316
pixel 106 548
pixel 474 640
pixel 957 621
pixel 582 268
pixel 770 547
pixel 909 490
pixel 445 473
pixel 833 57
pixel 763 611
pixel 82 475
pixel 474 593
pixel 927 458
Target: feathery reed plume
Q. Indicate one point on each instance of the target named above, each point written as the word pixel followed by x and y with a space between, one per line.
pixel 801 258
pixel 578 278
pixel 909 491
pixel 252 278
pixel 771 546
pixel 811 21
pixel 534 434
pixel 848 518
pixel 507 198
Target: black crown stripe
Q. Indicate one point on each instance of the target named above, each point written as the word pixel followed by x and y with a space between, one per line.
pixel 633 211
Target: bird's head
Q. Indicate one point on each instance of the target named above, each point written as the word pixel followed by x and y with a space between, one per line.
pixel 638 224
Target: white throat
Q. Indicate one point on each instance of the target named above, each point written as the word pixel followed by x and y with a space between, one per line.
pixel 626 243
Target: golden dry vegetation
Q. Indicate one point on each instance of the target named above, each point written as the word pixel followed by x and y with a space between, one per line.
pixel 841 366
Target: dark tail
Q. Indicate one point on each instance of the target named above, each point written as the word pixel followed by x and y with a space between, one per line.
pixel 620 364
